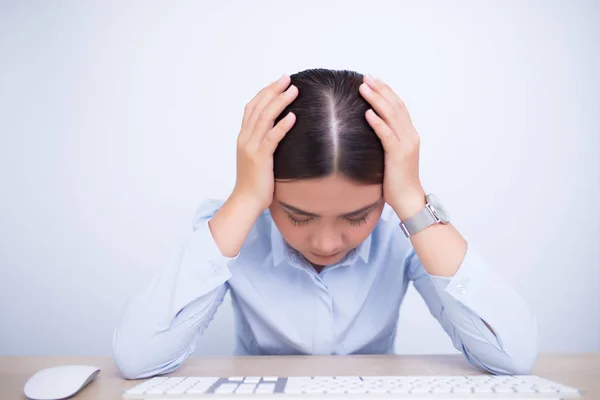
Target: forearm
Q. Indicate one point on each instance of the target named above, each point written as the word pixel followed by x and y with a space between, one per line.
pixel 440 247
pixel 157 329
pixel 232 223
pixel 485 317
pixel 143 348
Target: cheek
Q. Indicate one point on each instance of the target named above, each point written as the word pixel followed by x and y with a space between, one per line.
pixel 358 234
pixel 293 235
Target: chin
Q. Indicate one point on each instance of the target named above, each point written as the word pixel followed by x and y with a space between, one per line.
pixel 324 261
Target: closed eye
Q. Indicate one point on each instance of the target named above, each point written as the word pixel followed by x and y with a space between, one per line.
pixel 297 222
pixel 352 221
pixel 358 221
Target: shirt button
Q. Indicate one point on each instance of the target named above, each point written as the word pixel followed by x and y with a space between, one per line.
pixel 460 289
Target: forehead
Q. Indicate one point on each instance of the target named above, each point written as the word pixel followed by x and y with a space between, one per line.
pixel 332 195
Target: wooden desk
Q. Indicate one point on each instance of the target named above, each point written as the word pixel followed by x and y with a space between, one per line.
pixel 578 370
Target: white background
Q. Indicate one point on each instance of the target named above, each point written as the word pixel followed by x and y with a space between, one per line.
pixel 118 118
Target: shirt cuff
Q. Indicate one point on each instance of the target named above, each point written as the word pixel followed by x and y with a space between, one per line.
pixel 476 293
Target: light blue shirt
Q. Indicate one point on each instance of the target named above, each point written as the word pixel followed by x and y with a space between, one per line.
pixel 283 306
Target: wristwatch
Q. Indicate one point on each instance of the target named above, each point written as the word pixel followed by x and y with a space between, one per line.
pixel 433 213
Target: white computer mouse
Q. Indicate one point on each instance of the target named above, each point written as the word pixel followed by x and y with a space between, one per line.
pixel 59 382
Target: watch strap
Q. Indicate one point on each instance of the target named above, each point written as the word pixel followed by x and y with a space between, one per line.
pixel 418 222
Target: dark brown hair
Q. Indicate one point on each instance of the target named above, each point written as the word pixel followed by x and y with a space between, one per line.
pixel 331 134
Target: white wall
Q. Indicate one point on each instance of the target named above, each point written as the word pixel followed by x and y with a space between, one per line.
pixel 118 118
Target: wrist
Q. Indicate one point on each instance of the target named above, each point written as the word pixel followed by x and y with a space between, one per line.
pixel 410 204
pixel 231 224
pixel 246 204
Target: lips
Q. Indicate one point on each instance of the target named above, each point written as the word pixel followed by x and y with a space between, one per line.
pixel 326 255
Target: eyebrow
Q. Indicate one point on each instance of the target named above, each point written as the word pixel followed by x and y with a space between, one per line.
pixel 355 213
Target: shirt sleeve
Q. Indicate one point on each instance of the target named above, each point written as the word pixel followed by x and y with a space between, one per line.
pixel 477 293
pixel 158 327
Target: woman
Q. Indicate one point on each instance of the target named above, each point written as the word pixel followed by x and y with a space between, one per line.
pixel 317 244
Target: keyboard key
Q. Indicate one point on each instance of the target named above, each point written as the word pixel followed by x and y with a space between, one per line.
pixel 292 390
pixel 400 389
pixel 226 388
pixel 546 389
pixel 199 388
pixel 235 378
pixel 503 389
pixel 462 389
pixel 524 389
pixel 175 379
pixel 265 388
pixel 270 378
pixel 245 388
pixel 357 390
pixel 380 389
pixel 252 379
pixel 314 390
pixel 441 389
pixel 156 390
pixel 568 390
pixel 177 390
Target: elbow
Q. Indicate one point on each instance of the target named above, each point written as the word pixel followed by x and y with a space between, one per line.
pixel 502 363
pixel 131 360
pixel 523 354
pixel 518 357
pixel 127 371
pixel 135 361
pixel 517 364
pixel 125 359
pixel 523 364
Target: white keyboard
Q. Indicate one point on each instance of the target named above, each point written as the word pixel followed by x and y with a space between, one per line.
pixel 355 387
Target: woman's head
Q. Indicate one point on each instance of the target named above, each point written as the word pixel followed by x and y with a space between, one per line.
pixel 328 168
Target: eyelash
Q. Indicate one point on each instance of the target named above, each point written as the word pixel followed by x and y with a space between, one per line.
pixel 353 222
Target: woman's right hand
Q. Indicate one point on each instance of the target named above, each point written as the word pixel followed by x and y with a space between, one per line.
pixel 258 139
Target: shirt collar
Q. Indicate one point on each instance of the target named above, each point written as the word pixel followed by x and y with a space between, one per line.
pixel 281 250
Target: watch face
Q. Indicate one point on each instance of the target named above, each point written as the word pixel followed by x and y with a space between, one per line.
pixel 438 208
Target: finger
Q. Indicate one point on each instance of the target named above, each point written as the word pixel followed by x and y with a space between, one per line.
pixel 249 108
pixel 271 111
pixel 278 132
pixel 379 104
pixel 384 90
pixel 401 117
pixel 383 131
pixel 265 98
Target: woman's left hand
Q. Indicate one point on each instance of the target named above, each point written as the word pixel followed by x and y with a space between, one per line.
pixel 402 188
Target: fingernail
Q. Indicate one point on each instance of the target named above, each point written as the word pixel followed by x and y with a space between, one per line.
pixel 282 77
pixel 370 78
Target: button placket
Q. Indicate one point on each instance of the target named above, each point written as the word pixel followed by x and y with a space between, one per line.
pixel 323 329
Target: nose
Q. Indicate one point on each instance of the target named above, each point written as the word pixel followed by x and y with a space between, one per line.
pixel 327 241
